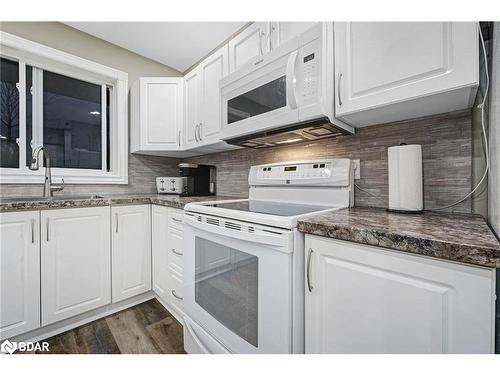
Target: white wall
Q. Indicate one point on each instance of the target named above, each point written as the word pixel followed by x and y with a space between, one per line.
pixel 494 135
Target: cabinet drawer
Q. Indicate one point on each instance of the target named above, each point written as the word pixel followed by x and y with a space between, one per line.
pixel 176 293
pixel 175 219
pixel 175 249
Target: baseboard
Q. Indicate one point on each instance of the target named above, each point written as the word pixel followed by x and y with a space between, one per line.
pixel 43 333
pixel 172 311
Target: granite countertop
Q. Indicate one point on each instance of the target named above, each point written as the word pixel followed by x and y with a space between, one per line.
pixel 464 238
pixel 175 201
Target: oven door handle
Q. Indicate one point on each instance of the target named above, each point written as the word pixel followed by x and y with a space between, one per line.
pixel 271 239
pixel 195 338
pixel 290 80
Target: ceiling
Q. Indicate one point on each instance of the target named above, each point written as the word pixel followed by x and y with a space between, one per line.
pixel 178 45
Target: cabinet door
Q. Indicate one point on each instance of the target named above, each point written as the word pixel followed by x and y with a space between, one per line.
pixel 284 31
pixel 161 113
pixel 192 98
pixel 364 299
pixel 213 69
pixel 160 248
pixel 75 261
pixel 250 44
pixel 19 272
pixel 131 250
pixel 381 63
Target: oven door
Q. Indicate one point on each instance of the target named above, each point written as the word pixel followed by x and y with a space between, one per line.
pixel 262 96
pixel 237 283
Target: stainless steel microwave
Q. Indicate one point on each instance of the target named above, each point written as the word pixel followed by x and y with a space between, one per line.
pixel 289 90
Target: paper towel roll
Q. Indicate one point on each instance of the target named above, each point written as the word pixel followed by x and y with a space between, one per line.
pixel 405 178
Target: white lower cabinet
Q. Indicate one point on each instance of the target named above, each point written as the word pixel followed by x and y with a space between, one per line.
pixel 364 299
pixel 159 246
pixel 131 251
pixel 75 261
pixel 19 272
pixel 167 248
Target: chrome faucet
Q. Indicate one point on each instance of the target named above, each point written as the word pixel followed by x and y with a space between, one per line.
pixel 48 189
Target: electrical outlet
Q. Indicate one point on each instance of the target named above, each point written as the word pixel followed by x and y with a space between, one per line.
pixel 357 169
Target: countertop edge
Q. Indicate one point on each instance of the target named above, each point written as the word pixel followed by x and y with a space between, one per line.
pixel 461 253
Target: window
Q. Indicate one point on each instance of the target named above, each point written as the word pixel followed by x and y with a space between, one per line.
pixel 9 112
pixel 73 107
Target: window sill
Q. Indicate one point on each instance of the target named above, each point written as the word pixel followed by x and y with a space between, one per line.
pixel 38 178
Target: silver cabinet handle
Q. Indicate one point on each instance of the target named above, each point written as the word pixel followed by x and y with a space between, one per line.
pixel 48 229
pixel 196 133
pixel 339 88
pixel 179 138
pixel 199 131
pixel 309 255
pixel 177 220
pixel 116 219
pixel 175 295
pixel 176 252
pixel 32 230
pixel 261 34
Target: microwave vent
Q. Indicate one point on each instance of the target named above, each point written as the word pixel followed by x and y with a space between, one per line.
pixel 293 134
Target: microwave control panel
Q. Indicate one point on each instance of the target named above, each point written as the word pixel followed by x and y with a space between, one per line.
pixel 308 82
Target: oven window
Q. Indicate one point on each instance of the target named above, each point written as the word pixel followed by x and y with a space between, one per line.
pixel 263 99
pixel 227 287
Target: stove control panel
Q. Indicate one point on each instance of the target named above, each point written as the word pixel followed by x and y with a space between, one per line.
pixel 334 172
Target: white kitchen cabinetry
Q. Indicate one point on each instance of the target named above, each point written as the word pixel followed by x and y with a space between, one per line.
pixel 167 244
pixel 75 261
pixel 365 299
pixel 390 71
pixel 157 114
pixel 159 246
pixel 252 43
pixel 19 272
pixel 282 32
pixel 192 107
pixel 212 70
pixel 131 250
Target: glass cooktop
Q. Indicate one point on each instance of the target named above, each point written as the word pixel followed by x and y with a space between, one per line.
pixel 270 208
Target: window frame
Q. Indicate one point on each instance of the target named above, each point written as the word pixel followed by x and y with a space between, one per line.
pixel 41 57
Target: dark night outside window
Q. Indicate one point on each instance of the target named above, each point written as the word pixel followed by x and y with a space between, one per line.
pixel 72 122
pixel 9 114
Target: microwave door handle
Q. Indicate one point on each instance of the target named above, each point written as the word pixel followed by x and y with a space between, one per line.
pixel 290 80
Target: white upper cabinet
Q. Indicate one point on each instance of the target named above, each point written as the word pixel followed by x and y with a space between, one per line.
pixel 157 114
pixel 75 261
pixel 131 250
pixel 364 299
pixel 19 272
pixel 192 107
pixel 212 70
pixel 389 71
pixel 252 43
pixel 284 31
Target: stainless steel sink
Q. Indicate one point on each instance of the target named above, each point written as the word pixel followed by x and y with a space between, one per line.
pixel 55 198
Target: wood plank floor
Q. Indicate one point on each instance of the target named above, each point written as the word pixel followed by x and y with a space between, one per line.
pixel 147 328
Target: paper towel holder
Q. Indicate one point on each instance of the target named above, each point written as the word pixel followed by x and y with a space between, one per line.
pixel 402 210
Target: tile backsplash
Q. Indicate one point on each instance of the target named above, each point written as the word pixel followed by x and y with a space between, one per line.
pixel 446 147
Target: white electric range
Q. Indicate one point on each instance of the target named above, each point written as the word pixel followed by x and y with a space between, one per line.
pixel 244 258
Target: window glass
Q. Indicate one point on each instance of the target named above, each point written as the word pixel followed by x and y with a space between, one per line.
pixel 72 122
pixel 226 286
pixel 9 114
pixel 29 114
